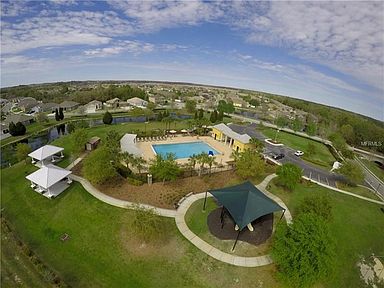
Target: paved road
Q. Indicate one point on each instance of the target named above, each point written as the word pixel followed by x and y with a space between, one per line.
pixel 371 179
pixel 309 170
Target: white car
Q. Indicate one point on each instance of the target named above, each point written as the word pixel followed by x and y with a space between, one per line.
pixel 299 153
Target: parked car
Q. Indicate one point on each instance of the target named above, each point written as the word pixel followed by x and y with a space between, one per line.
pixel 299 153
pixel 278 156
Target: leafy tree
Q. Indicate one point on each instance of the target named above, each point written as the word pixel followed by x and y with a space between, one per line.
pixel 254 102
pixel 297 124
pixel 201 113
pixel 61 113
pixel 22 151
pixel 165 168
pixel 41 117
pixel 311 128
pixel 225 107
pixel 79 138
pixel 17 130
pixel 303 251
pixel 151 106
pixel 127 158
pixel 98 167
pixel 348 133
pixel 12 129
pixel 282 121
pixel 57 116
pixel 249 163
pixel 317 204
pixel 352 171
pixel 160 116
pixel 289 175
pixel 213 117
pixel 220 117
pixel 190 105
pixel 107 118
pixel 112 142
pixel 196 115
pixel 311 148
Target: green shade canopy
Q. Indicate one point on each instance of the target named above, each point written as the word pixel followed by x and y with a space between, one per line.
pixel 245 202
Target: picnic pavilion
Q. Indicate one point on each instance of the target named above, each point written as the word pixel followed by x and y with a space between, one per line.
pixel 246 206
pixel 46 154
pixel 50 180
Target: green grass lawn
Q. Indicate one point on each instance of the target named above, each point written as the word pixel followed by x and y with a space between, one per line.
pixel 322 156
pixel 374 168
pixel 196 220
pixel 102 251
pixel 357 226
pixel 362 191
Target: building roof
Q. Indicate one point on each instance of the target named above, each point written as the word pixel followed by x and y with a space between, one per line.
pixel 135 101
pixel 243 138
pixel 128 144
pixel 112 101
pixel 48 175
pixel 68 104
pixel 27 103
pixel 94 102
pixel 45 152
pixel 17 118
pixel 93 140
pixel 245 202
pixel 48 106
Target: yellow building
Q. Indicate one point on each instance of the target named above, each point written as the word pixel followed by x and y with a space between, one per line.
pixel 238 142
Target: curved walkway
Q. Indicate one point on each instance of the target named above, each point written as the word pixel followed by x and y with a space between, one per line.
pixel 214 252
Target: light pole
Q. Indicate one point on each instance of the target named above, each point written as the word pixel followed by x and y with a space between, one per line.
pixel 277 131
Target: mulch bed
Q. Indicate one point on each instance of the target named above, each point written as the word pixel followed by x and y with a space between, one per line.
pixel 262 226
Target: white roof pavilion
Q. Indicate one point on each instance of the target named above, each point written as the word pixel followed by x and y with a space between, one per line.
pixel 48 176
pixel 128 144
pixel 45 152
pixel 48 180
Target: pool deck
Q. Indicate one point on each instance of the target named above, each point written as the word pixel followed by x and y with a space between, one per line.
pixel 223 157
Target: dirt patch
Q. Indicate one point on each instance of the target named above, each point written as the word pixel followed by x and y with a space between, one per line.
pixel 166 195
pixel 169 248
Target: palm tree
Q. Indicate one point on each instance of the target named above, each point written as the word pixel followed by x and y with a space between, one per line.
pixel 210 162
pixel 203 159
pixel 256 144
pixel 127 158
pixel 139 163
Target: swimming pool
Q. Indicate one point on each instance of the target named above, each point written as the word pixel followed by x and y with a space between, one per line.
pixel 183 150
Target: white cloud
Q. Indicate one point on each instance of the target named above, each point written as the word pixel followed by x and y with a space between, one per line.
pixel 134 47
pixel 54 28
pixel 13 8
pixel 346 36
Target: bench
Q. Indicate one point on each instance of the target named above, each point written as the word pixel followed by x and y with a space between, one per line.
pixel 65 237
pixel 177 205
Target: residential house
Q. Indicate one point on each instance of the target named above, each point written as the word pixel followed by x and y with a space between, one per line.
pixel 137 102
pixel 69 105
pixel 15 118
pixel 93 106
pixel 46 107
pixel 26 104
pixel 113 103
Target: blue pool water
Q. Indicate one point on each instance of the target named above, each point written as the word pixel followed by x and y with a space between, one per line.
pixel 183 150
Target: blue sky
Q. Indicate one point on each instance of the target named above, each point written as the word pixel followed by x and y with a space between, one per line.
pixel 326 52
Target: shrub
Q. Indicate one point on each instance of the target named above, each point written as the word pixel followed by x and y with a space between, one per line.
pixel 107 118
pixel 289 175
pixel 147 224
pixel 134 182
pixel 303 251
pixel 317 204
pixel 352 171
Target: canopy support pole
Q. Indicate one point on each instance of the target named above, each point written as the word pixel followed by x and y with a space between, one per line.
pixel 237 238
pixel 205 200
pixel 222 217
pixel 282 215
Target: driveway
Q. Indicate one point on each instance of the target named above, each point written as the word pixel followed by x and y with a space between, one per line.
pixel 309 170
